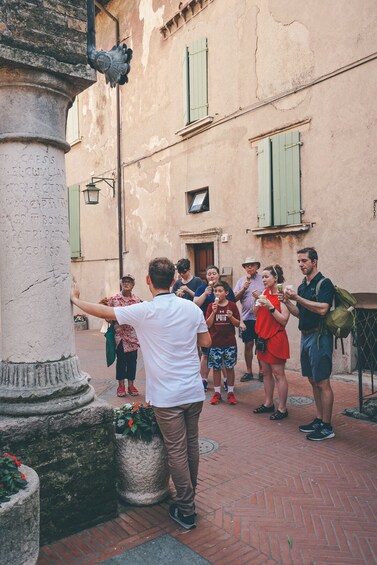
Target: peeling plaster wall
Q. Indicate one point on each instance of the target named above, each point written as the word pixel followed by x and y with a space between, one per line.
pixel 263 58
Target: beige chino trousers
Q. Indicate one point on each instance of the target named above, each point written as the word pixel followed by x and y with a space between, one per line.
pixel 179 426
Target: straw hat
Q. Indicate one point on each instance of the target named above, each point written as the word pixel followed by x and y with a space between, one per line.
pixel 251 261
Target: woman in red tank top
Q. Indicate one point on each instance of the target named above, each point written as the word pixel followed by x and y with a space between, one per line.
pixel 272 317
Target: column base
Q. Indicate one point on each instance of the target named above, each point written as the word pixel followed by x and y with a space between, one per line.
pixel 28 389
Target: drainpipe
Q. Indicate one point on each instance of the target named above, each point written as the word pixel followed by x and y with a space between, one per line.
pixel 118 146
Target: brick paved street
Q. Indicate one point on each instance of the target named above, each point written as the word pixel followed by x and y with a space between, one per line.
pixel 265 496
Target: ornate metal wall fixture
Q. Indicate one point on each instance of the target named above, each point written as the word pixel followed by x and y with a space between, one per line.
pixel 114 64
pixel 91 192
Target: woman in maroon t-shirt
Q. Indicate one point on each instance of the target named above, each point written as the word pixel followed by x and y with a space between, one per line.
pixel 272 317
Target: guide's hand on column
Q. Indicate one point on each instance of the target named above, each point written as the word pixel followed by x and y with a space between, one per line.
pixel 75 291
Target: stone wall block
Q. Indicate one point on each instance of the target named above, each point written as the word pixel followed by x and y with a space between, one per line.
pixel 74 456
pixel 47 29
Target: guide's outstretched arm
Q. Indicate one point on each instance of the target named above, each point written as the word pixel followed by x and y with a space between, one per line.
pixel 98 310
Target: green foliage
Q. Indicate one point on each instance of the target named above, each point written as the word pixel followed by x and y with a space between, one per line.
pixel 137 421
pixel 11 479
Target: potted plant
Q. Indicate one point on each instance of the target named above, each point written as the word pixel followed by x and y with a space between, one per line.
pixel 141 456
pixel 19 512
pixel 80 321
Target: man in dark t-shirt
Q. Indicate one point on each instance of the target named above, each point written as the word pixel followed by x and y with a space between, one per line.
pixel 187 284
pixel 313 301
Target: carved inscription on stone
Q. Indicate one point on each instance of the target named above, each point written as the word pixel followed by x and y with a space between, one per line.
pixel 33 216
pixel 34 254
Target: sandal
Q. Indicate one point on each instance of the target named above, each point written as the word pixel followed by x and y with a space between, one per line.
pixel 279 415
pixel 262 409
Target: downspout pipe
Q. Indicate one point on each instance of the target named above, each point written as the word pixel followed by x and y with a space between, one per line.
pixel 91 45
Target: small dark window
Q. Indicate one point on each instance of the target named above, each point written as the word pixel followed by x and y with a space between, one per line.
pixel 198 201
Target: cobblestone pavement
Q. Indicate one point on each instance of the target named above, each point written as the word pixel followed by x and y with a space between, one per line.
pixel 266 495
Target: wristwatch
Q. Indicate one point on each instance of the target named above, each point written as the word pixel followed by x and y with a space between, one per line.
pixel 272 310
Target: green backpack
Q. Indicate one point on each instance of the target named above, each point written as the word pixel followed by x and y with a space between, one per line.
pixel 342 319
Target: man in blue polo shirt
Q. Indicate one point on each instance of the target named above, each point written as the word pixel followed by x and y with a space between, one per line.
pixel 316 347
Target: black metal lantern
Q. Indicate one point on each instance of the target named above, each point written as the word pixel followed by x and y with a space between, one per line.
pixel 91 193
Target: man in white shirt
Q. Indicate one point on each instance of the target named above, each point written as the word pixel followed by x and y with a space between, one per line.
pixel 244 293
pixel 169 331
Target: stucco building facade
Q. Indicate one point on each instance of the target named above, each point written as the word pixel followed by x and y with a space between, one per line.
pixel 248 127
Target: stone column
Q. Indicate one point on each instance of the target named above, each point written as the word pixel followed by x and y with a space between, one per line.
pixel 49 416
pixel 39 372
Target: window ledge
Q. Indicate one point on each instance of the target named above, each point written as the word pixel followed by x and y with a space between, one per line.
pixel 294 228
pixel 195 126
pixel 77 259
pixel 75 141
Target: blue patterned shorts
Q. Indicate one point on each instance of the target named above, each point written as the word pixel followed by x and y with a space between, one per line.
pixel 219 357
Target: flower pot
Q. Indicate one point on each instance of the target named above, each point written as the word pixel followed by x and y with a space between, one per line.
pixel 142 470
pixel 79 326
pixel 19 519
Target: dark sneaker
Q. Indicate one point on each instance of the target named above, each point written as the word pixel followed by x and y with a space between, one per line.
pixel 308 428
pixel 205 384
pixel 247 377
pixel 187 522
pixel 225 385
pixel 321 433
pixel 260 377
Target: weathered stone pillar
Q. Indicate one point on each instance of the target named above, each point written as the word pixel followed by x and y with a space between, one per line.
pixel 39 371
pixel 48 414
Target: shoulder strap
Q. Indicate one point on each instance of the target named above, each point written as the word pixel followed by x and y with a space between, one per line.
pixel 318 286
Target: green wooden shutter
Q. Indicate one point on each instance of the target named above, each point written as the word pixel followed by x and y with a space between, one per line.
pixel 286 178
pixel 198 80
pixel 74 219
pixel 186 88
pixel 264 183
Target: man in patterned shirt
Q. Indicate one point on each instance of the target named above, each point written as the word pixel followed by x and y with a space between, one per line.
pixel 126 340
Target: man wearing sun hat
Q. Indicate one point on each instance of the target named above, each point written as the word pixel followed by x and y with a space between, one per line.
pixel 243 290
pixel 126 340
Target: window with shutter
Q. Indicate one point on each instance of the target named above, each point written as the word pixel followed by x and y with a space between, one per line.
pixel 74 219
pixel 195 81
pixel 265 183
pixel 72 129
pixel 279 180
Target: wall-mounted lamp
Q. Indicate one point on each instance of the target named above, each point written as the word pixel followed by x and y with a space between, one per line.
pixel 91 193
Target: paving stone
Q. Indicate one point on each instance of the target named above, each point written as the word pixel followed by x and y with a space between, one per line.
pixel 265 496
pixel 164 550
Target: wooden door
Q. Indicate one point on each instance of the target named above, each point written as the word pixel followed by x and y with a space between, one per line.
pixel 204 256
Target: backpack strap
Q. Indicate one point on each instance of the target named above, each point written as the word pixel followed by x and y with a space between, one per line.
pixel 318 287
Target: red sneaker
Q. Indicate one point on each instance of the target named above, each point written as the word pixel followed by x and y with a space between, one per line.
pixel 121 391
pixel 133 391
pixel 231 398
pixel 216 398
